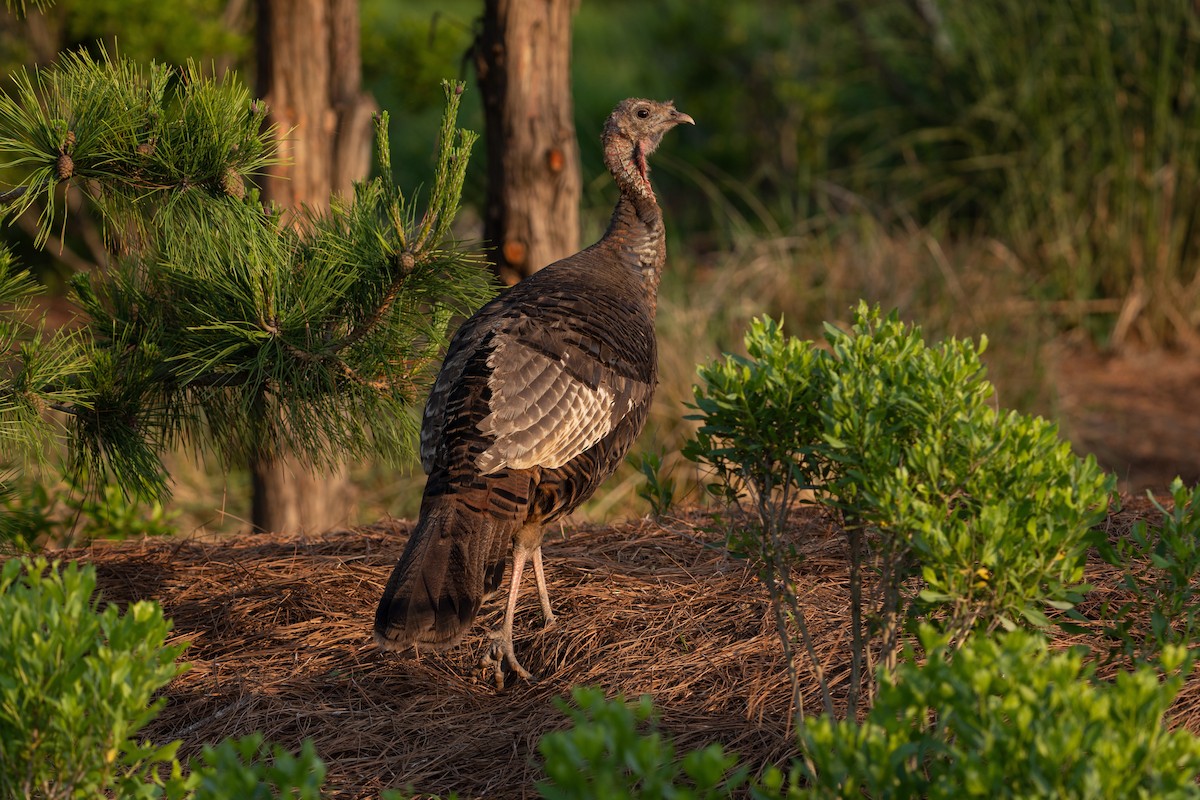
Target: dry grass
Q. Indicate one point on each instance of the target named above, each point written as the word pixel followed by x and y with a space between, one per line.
pixel 951 289
pixel 280 643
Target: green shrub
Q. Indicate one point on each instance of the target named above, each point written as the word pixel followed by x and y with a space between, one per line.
pixel 1006 718
pixel 1000 717
pixel 993 506
pixel 605 754
pixel 759 432
pixel 989 509
pixel 894 404
pixel 77 683
pixel 26 515
pixel 239 768
pixel 62 511
pixel 107 512
pixel 659 488
pixel 760 422
pixel 1161 564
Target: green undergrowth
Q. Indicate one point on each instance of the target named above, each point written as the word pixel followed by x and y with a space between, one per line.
pixel 1001 717
pixel 78 683
pixel 957 513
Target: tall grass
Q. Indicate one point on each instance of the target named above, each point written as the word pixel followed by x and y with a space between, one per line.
pixel 1067 132
pixel 1087 111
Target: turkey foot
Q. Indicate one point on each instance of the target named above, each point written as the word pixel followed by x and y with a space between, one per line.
pixel 499 655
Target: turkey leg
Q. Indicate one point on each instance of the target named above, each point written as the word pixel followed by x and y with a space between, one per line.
pixel 501 651
pixel 543 595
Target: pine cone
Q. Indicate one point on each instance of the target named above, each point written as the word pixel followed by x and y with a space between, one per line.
pixel 233 184
pixel 64 167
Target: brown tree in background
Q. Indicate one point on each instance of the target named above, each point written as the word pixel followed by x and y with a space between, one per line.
pixel 310 74
pixel 523 62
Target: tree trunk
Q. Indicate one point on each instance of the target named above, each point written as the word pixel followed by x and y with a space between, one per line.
pixel 523 62
pixel 310 73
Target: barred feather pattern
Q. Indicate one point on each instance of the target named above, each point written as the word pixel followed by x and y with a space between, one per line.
pixel 540 396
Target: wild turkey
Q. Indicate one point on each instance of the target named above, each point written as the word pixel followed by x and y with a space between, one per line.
pixel 540 396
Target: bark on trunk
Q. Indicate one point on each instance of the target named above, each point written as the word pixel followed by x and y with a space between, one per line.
pixel 523 61
pixel 309 73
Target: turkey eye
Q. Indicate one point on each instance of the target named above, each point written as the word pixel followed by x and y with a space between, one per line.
pixel 643 113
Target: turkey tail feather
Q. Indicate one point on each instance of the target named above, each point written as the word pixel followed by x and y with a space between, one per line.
pixel 453 556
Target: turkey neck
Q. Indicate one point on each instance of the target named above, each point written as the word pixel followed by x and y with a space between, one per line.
pixel 636 228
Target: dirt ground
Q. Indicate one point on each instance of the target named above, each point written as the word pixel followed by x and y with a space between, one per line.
pixel 1139 413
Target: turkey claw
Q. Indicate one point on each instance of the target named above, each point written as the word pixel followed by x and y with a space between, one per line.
pixel 499 655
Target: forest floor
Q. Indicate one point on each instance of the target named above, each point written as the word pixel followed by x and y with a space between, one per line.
pixel 280 642
pixel 280 626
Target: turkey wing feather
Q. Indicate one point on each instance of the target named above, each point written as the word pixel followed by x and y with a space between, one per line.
pixel 547 409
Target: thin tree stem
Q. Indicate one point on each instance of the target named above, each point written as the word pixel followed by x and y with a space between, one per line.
pixel 14 193
pixel 406 263
pixel 857 640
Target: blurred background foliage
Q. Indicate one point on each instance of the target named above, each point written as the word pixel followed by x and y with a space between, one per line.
pixel 1016 168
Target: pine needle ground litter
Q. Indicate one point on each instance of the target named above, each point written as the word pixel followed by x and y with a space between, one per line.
pixel 280 642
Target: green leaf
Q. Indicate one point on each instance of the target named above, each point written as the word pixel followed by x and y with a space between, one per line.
pixel 1035 617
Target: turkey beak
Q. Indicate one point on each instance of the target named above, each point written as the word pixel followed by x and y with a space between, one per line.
pixel 678 117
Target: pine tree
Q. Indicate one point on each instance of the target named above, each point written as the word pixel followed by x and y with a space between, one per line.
pixel 221 325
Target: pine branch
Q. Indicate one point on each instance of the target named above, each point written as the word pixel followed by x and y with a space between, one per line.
pixel 63 253
pixel 454 148
pixel 223 325
pixel 137 133
pixel 454 153
pixel 35 374
pixel 405 265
